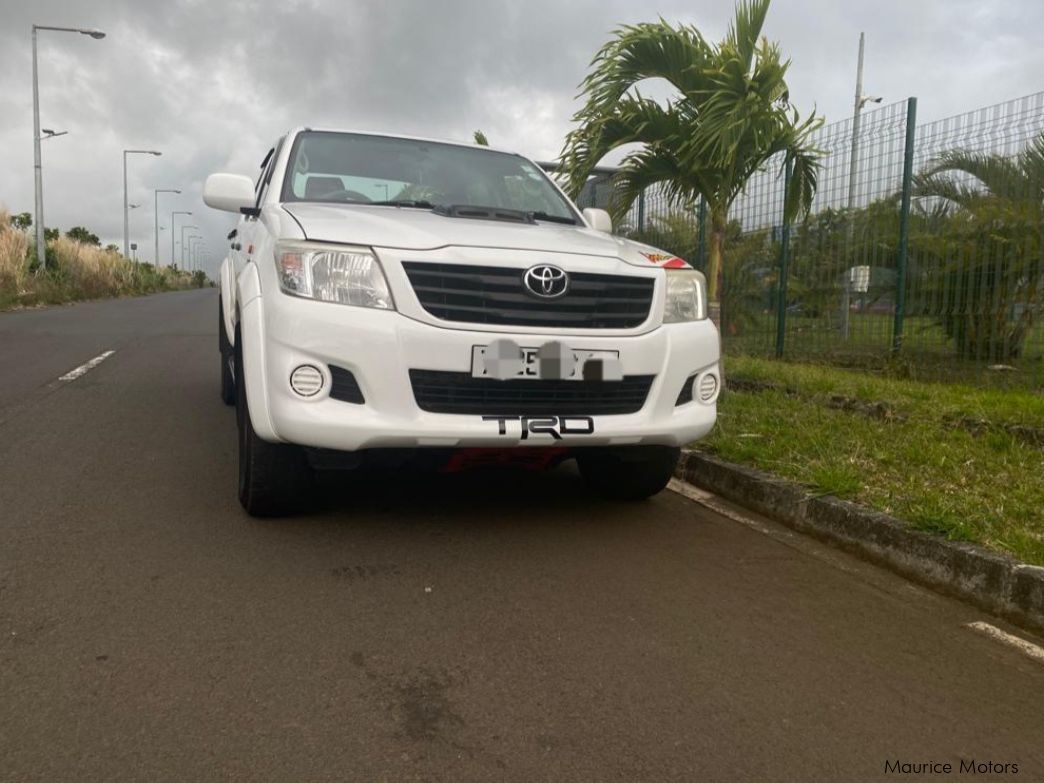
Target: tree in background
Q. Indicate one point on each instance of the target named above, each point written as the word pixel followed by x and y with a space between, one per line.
pixel 983 273
pixel 83 236
pixel 480 139
pixel 731 115
pixel 23 221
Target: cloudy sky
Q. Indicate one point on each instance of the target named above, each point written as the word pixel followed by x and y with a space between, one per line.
pixel 211 83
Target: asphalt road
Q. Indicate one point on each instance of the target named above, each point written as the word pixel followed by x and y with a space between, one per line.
pixel 476 627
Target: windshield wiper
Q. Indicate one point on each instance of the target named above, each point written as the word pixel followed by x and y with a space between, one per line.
pixel 404 202
pixel 553 218
pixel 483 213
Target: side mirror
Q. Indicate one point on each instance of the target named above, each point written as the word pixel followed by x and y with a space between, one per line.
pixel 228 192
pixel 599 220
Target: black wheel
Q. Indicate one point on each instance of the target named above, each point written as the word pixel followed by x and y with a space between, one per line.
pixel 228 382
pixel 275 479
pixel 631 473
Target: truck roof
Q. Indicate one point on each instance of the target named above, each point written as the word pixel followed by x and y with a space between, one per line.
pixel 301 128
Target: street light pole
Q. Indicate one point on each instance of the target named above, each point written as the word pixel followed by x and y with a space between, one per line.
pixel 183 244
pixel 193 250
pixel 41 240
pixel 853 173
pixel 126 219
pixel 854 161
pixel 172 214
pixel 155 214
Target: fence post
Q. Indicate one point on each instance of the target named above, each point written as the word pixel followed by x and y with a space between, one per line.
pixel 641 211
pixel 702 228
pixel 904 227
pixel 784 265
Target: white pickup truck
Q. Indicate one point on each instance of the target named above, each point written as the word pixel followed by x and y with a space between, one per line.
pixel 390 298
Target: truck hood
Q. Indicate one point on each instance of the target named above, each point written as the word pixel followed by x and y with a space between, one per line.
pixel 420 229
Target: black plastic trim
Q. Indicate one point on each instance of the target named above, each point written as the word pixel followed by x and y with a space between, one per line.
pixel 344 387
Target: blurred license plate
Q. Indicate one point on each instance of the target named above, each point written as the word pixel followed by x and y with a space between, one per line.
pixel 530 366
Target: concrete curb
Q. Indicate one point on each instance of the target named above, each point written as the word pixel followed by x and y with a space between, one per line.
pixel 991 581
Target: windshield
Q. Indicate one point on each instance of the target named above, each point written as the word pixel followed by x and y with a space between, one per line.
pixel 351 168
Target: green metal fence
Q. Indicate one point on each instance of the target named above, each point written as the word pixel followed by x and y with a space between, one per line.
pixel 903 263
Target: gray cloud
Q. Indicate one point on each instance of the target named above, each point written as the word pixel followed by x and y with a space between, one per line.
pixel 212 84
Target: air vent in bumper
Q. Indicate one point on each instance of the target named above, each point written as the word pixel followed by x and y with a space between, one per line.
pixel 344 387
pixel 459 392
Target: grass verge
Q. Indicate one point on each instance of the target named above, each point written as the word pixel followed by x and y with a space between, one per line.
pixel 76 271
pixel 954 460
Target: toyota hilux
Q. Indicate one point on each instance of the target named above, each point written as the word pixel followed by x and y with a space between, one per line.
pixel 389 298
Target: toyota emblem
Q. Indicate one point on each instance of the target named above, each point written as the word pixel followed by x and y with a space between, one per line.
pixel 546 281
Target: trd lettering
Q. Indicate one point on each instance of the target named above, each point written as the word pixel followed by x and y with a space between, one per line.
pixel 555 426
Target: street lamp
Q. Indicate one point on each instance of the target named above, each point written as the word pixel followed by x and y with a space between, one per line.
pixel 192 250
pixel 172 232
pixel 860 101
pixel 50 134
pixel 853 172
pixel 156 225
pixel 183 244
pixel 126 223
pixel 41 246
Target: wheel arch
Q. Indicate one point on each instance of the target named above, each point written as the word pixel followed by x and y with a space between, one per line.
pixel 229 305
pixel 253 373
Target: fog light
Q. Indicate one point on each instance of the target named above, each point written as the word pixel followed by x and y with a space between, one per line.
pixel 706 387
pixel 306 380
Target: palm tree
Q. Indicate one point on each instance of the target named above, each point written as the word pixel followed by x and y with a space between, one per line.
pixel 731 115
pixel 984 271
pixel 1019 178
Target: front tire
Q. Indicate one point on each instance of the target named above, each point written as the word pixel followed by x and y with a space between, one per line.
pixel 631 473
pixel 275 479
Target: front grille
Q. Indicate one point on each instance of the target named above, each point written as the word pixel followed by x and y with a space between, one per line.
pixel 459 392
pixel 495 295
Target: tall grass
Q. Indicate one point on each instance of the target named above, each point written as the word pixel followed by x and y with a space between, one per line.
pixel 14 251
pixel 74 271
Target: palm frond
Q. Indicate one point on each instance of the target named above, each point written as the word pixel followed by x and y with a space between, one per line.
pixel 745 30
pixel 644 169
pixel 640 52
pixel 963 177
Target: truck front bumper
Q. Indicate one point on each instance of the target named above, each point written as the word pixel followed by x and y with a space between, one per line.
pixel 281 333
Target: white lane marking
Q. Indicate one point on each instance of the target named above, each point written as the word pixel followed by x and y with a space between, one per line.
pixel 714 503
pixel 1026 648
pixel 709 499
pixel 72 375
pixel 802 543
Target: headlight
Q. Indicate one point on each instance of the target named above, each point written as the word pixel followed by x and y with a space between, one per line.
pixel 686 296
pixel 333 273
